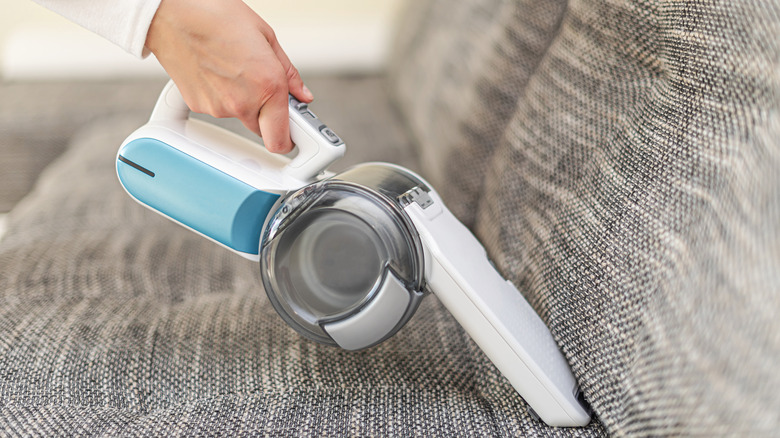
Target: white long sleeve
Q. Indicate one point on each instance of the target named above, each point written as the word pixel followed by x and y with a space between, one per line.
pixel 123 22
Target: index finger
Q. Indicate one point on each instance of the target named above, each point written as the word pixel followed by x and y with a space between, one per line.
pixel 274 123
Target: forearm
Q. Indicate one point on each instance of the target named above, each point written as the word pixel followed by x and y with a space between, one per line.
pixel 123 22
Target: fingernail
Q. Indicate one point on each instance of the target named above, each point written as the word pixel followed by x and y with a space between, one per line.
pixel 307 93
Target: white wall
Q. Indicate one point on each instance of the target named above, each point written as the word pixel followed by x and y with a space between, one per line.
pixel 318 35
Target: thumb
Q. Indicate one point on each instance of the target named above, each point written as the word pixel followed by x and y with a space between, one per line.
pixel 295 83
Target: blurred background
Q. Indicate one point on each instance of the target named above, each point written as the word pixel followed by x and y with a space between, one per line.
pixel 56 77
pixel 332 36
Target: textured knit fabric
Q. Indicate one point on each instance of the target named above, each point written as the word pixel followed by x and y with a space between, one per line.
pixel 621 162
pixel 123 22
pixel 115 321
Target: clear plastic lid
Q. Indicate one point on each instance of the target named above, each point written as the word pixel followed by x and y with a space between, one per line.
pixel 327 250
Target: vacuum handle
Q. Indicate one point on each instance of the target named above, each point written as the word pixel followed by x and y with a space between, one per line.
pixel 318 146
pixel 496 316
pixel 170 105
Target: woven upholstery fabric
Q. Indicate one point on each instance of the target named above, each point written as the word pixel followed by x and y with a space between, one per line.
pixel 115 321
pixel 458 72
pixel 621 162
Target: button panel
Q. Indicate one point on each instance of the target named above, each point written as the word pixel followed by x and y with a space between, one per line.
pixel 330 135
pixel 311 118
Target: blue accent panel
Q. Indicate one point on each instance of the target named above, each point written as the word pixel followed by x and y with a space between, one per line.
pixel 195 194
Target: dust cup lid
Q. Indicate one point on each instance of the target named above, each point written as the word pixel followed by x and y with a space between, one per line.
pixel 339 264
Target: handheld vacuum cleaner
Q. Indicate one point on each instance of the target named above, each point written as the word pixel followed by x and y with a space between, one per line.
pixel 345 258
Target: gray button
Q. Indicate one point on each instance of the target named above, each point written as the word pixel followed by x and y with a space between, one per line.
pixel 330 135
pixel 298 105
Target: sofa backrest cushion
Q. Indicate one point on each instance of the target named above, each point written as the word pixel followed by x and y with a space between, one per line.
pixel 621 162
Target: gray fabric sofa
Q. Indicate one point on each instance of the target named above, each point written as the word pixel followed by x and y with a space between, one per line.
pixel 619 160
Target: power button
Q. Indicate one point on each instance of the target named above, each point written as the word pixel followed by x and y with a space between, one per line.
pixel 330 135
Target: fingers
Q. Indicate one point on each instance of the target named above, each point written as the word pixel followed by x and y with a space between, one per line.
pixel 269 118
pixel 294 82
pixel 275 124
pixel 272 120
pixel 296 85
pixel 263 106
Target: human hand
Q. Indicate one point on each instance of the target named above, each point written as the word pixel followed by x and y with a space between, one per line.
pixel 227 62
